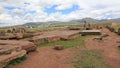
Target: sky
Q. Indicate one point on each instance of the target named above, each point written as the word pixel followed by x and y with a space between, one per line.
pixel 23 11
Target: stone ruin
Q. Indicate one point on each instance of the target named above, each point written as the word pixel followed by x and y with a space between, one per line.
pixel 14 33
pixel 98 38
pixel 16 30
pixel 12 49
pixel 74 28
pixel 110 28
pixel 90 32
pixel 26 45
pixel 54 37
pixel 8 53
pixel 87 26
pixel 118 32
pixel 104 35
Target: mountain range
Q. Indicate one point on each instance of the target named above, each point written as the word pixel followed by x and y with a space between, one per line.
pixel 79 21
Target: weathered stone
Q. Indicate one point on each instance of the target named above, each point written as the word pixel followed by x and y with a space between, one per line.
pixel 74 28
pixel 118 32
pixel 69 37
pixel 52 36
pixel 8 49
pixel 59 47
pixel 52 39
pixel 19 35
pixel 5 59
pixel 101 27
pixel 98 38
pixel 117 41
pixel 27 35
pixel 26 45
pixel 110 28
pixel 37 41
pixel 90 32
pixel 105 35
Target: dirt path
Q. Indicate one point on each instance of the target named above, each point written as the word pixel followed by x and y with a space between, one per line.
pixel 108 46
pixel 46 57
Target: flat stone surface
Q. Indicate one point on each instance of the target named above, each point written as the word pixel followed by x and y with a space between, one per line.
pixel 5 59
pixel 7 49
pixel 26 45
pixel 91 31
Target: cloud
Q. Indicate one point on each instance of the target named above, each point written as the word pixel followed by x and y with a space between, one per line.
pixel 5 17
pixel 33 10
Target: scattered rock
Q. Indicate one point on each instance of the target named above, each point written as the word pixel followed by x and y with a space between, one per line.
pixel 98 38
pixel 59 47
pixel 105 35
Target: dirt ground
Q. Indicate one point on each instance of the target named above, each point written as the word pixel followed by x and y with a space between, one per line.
pixel 109 46
pixel 46 57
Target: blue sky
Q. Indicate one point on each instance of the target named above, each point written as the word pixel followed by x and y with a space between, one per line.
pixel 11 8
pixel 22 11
pixel 52 9
pixel 48 10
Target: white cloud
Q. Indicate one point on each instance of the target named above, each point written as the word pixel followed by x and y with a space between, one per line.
pixel 5 17
pixel 88 8
pixel 18 12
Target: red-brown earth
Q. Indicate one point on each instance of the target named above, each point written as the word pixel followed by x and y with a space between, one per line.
pixel 47 57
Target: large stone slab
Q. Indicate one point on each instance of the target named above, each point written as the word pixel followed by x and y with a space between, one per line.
pixel 90 32
pixel 8 53
pixel 26 45
pixel 69 37
pixel 52 36
pixel 52 39
pixel 8 49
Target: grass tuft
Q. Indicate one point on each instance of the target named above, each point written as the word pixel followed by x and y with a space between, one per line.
pixel 16 61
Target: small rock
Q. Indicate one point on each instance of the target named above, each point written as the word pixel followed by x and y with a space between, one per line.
pixel 59 47
pixel 105 35
pixel 117 41
pixel 98 38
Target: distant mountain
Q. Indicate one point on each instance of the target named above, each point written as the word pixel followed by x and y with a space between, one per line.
pixel 115 20
pixel 79 21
